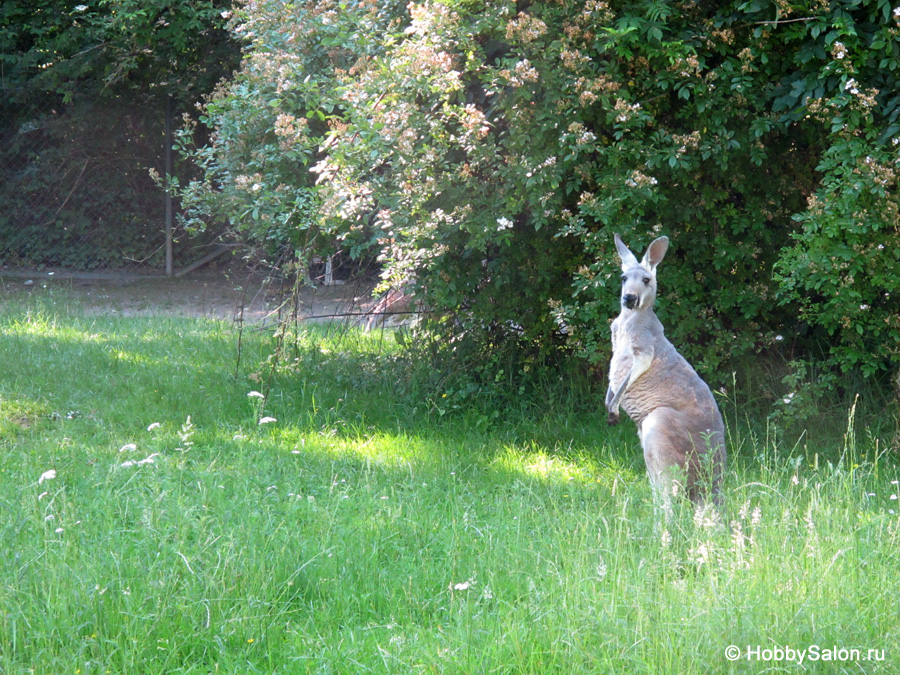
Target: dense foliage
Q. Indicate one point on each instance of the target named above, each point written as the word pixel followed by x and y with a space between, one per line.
pixel 69 50
pixel 489 149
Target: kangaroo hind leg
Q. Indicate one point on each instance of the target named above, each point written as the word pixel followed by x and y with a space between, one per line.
pixel 663 438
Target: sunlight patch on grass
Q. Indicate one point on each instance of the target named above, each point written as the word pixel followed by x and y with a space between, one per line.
pixel 550 467
pixel 41 326
pixel 18 414
pixel 377 447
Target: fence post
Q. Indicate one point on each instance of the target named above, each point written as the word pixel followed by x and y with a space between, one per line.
pixel 169 265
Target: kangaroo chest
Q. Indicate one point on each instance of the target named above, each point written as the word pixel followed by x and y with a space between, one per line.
pixel 633 335
pixel 640 336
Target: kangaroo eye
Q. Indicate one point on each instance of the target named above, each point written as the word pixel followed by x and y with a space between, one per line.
pixel 646 281
pixel 624 278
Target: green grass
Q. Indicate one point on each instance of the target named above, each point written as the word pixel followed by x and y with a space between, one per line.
pixel 376 528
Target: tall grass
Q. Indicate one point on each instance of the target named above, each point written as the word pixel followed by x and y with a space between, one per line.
pixel 376 527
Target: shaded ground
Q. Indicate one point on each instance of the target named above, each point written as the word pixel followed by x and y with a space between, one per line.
pixel 210 293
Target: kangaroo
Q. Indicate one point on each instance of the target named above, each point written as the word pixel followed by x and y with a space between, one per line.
pixel 679 424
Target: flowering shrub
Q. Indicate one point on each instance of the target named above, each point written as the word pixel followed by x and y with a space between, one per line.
pixel 267 124
pixel 489 150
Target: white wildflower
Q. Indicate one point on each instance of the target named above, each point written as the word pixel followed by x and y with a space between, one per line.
pixel 504 224
pixel 255 394
pixel 153 426
pixel 737 535
pixel 47 475
pixel 756 516
pixel 665 539
pixel 267 420
pixel 601 569
pixel 128 447
pixel 700 554
pixel 706 517
pixel 147 460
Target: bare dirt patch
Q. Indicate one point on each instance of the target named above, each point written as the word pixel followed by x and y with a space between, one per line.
pixel 216 294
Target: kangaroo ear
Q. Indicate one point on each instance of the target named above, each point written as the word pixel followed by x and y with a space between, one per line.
pixel 655 253
pixel 627 257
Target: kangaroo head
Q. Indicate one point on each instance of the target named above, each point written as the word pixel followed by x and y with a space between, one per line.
pixel 639 278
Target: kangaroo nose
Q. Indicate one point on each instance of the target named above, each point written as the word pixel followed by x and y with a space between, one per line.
pixel 629 300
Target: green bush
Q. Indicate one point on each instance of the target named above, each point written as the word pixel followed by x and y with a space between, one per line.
pixel 489 150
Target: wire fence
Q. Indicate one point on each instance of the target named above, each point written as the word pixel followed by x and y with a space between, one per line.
pixel 76 190
pixel 77 197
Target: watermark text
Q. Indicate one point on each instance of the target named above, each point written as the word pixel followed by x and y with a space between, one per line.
pixel 799 655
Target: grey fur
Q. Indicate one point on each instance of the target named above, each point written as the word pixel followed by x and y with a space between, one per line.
pixel 678 421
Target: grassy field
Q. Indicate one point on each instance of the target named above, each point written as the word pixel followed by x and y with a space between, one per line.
pixel 150 524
